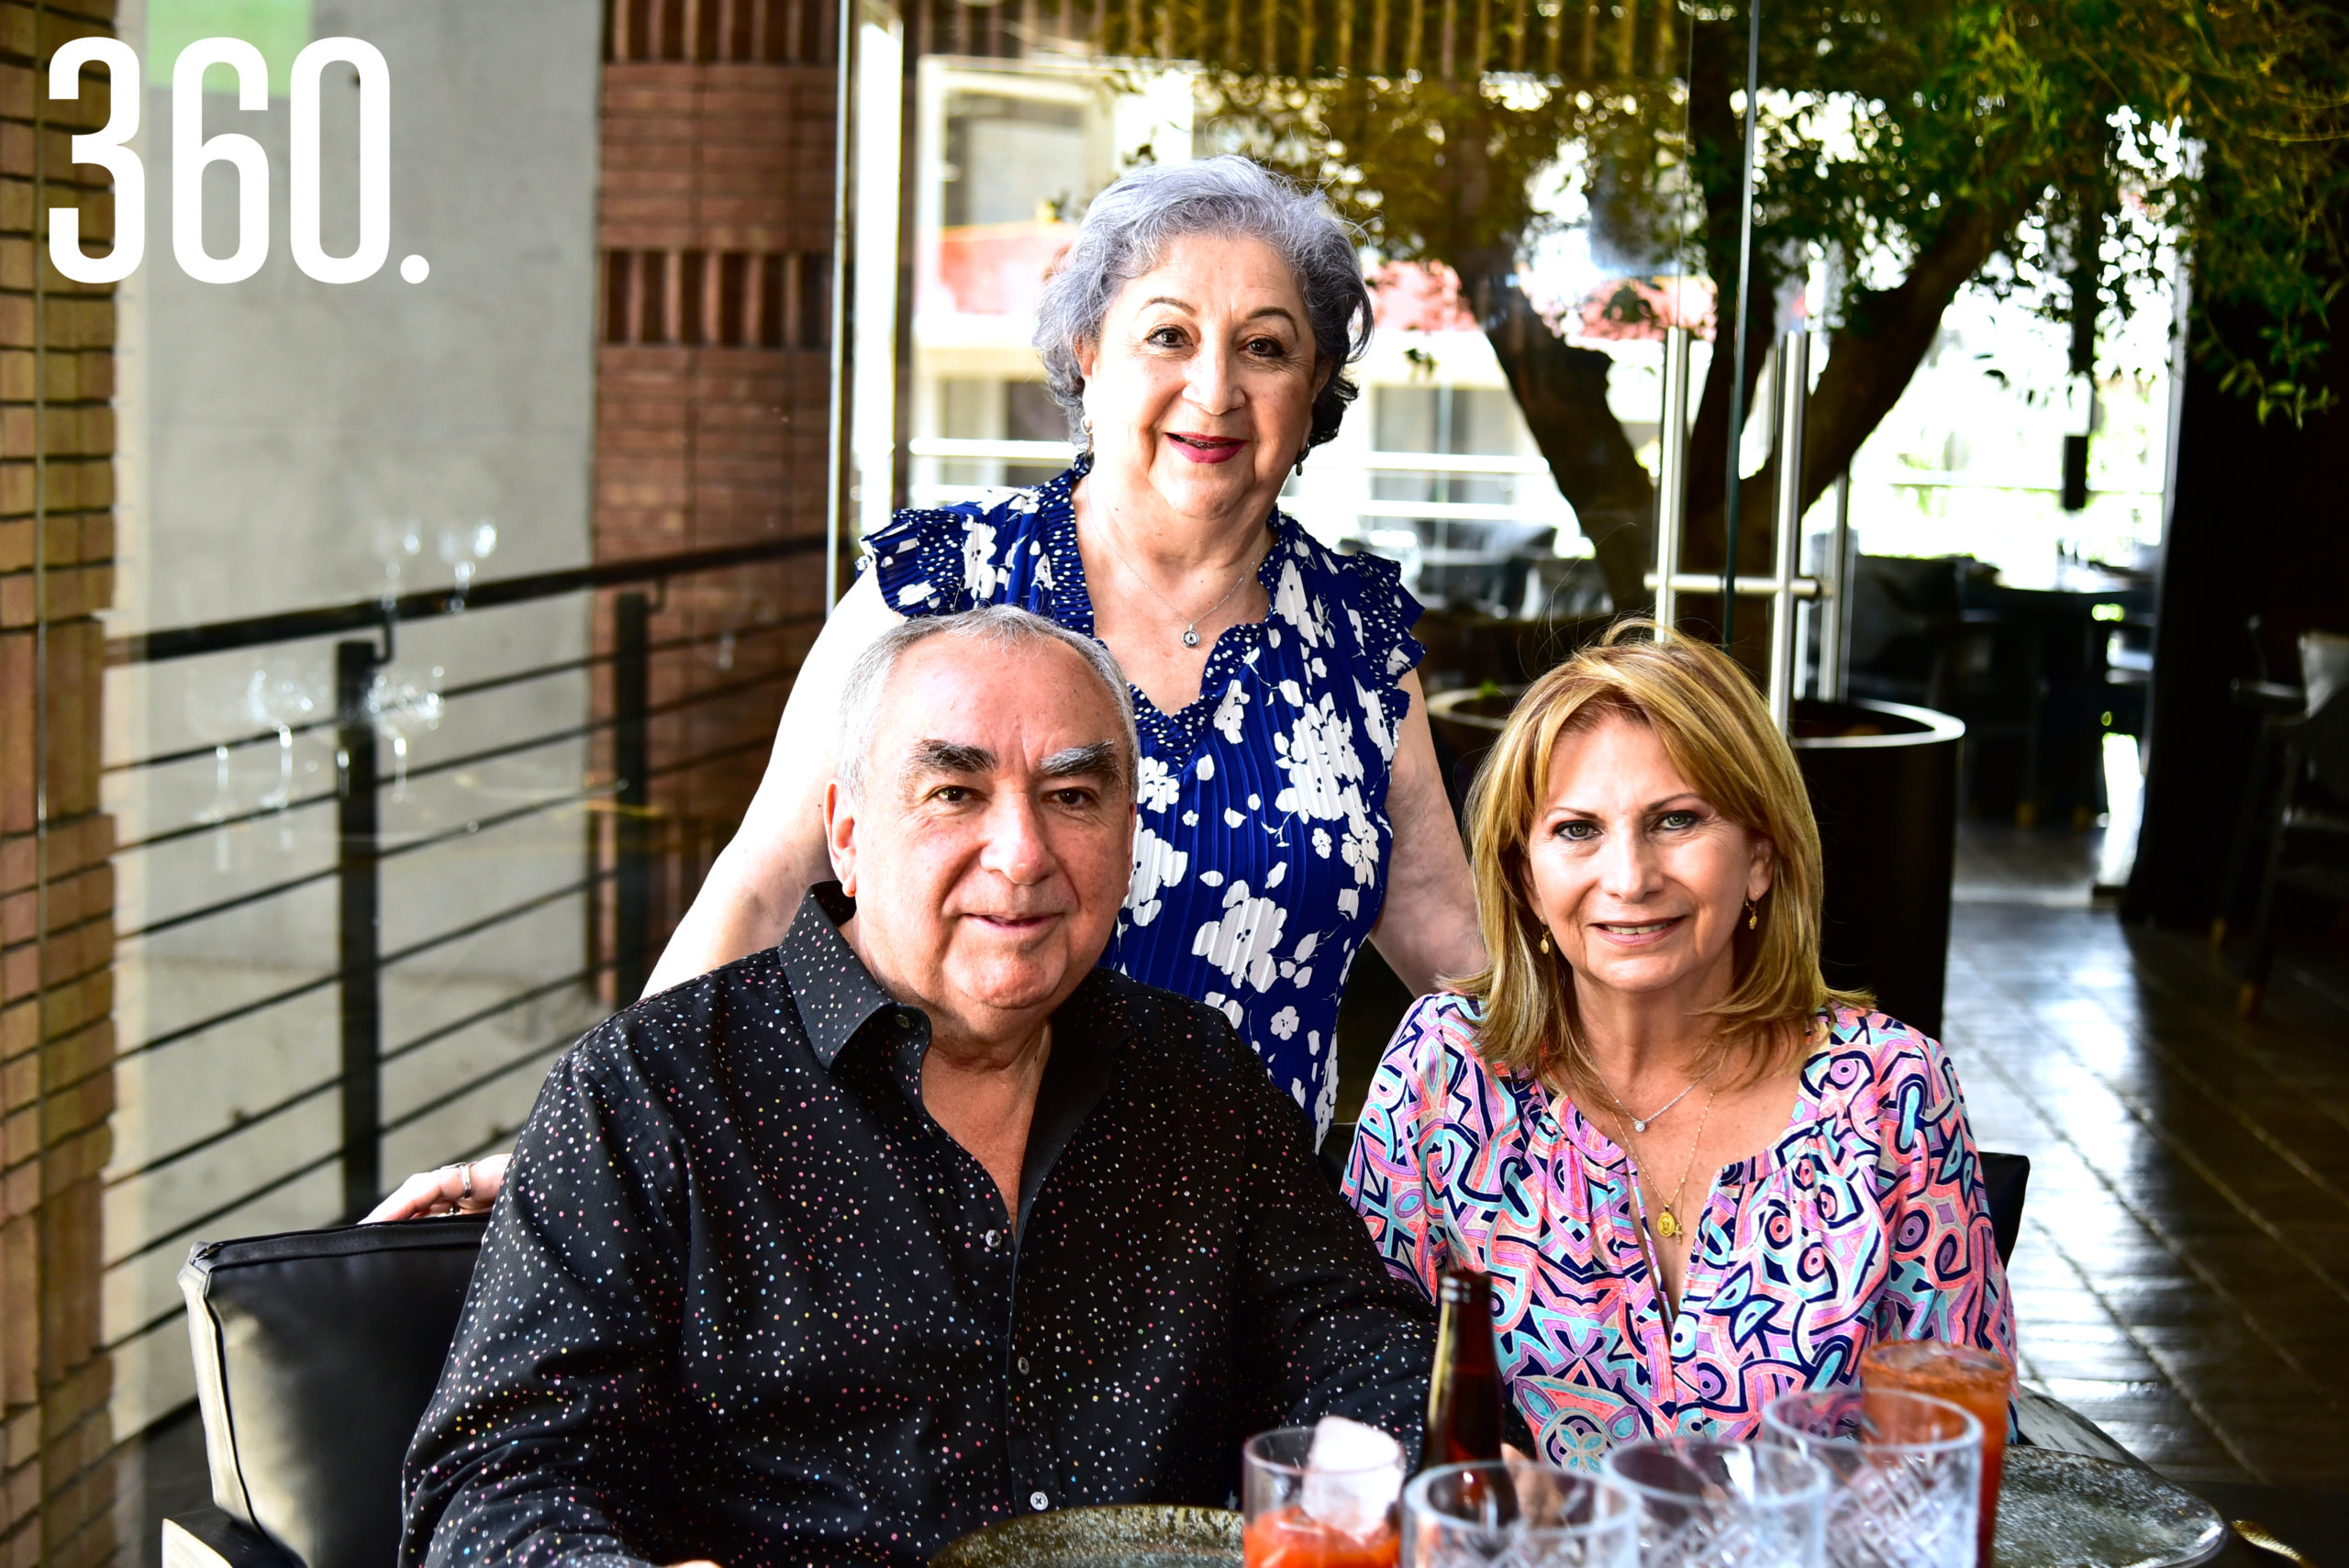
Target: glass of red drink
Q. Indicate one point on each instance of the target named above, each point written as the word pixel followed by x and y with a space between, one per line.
pixel 1319 1518
pixel 1978 1382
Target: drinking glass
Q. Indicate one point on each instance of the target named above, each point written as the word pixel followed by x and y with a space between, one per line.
pixel 1317 1518
pixel 1978 1381
pixel 1706 1503
pixel 1907 1469
pixel 1559 1519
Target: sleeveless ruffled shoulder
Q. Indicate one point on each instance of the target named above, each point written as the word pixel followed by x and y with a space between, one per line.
pixel 917 556
pixel 1381 612
pixel 939 561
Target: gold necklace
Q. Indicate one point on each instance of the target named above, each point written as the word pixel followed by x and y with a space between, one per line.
pixel 1667 1225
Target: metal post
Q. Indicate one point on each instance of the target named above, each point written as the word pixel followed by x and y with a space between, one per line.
pixel 843 280
pixel 632 761
pixel 1672 474
pixel 1794 390
pixel 1835 612
pixel 361 934
pixel 1731 498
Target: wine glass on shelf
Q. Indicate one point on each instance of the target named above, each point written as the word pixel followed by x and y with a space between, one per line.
pixel 214 713
pixel 399 542
pixel 402 704
pixel 463 547
pixel 283 692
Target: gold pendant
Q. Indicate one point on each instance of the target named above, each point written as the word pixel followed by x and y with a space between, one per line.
pixel 1665 1226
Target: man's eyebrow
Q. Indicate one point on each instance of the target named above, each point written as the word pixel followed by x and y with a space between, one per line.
pixel 947 757
pixel 1097 760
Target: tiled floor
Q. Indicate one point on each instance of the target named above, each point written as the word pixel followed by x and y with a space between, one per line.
pixel 2183 1273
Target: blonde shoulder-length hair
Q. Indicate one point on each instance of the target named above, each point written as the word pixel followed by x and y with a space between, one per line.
pixel 1719 737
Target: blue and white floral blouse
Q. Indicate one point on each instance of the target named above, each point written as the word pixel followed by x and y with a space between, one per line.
pixel 1260 862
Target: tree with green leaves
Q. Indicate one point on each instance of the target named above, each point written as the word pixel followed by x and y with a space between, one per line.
pixel 1927 144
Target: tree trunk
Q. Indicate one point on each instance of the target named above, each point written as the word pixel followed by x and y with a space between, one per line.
pixel 1876 353
pixel 1562 389
pixel 1562 392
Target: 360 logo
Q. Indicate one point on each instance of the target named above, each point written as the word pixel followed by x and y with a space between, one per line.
pixel 192 152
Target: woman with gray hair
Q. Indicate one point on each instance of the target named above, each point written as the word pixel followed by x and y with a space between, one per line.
pixel 1291 809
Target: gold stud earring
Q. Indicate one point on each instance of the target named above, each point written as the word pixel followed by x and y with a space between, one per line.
pixel 1752 921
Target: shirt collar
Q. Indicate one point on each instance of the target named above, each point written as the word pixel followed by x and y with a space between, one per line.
pixel 837 997
pixel 836 993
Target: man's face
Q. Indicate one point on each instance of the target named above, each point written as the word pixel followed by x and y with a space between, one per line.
pixel 993 848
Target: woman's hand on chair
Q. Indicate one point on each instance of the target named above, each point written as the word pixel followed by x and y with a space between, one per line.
pixel 467 1187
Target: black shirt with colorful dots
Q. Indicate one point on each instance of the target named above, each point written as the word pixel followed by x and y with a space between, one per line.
pixel 742 1298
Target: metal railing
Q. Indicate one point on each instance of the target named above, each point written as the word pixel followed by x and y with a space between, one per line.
pixel 363 848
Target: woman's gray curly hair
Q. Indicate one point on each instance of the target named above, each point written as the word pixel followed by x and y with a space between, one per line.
pixel 1125 234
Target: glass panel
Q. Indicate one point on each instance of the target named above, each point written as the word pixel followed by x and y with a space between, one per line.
pixel 452 607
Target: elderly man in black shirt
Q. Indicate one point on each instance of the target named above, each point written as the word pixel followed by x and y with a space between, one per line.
pixel 919 1220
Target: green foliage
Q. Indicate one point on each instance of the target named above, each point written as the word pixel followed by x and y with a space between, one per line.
pixel 2215 124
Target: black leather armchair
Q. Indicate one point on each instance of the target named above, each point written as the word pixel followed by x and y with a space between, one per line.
pixel 316 1353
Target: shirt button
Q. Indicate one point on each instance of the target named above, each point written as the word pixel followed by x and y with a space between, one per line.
pixel 993 1239
pixel 1022 1364
pixel 1039 1502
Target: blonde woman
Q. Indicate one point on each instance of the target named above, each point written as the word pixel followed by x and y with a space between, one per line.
pixel 1700 1178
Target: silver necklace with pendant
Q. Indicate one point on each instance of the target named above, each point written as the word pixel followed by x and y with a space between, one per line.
pixel 1640 1123
pixel 1191 627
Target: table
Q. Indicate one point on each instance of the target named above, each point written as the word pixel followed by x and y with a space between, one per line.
pixel 2316 1523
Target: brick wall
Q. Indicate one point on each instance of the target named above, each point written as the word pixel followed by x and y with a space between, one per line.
pixel 713 380
pixel 56 886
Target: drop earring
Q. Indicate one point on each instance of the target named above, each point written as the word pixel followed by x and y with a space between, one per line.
pixel 1085 424
pixel 1545 941
pixel 1752 920
pixel 1300 458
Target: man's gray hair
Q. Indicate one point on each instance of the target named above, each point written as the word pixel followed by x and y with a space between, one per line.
pixel 997 629
pixel 1125 234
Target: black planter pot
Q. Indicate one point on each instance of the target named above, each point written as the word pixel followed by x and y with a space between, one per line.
pixel 1883 781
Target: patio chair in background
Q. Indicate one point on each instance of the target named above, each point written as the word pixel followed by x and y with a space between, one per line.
pixel 2307 829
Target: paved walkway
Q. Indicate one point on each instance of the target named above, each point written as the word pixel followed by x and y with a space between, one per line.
pixel 2183 1273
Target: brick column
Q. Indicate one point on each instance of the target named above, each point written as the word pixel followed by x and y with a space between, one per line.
pixel 56 882
pixel 713 377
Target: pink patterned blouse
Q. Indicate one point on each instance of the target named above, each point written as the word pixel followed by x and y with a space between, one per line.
pixel 1865 1220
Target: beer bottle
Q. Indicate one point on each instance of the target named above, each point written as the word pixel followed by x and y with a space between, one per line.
pixel 1464 1391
